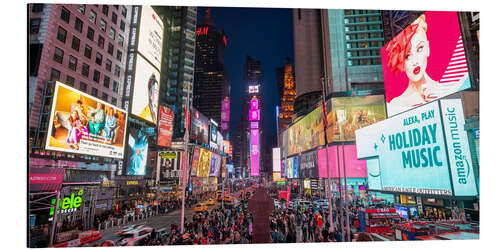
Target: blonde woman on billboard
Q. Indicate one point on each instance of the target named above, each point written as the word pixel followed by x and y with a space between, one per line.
pixel 74 134
pixel 150 111
pixel 409 52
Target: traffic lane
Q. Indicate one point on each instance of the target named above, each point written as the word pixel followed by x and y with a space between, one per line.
pixel 155 222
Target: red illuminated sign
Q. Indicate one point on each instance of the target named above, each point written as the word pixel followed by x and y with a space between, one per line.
pixel 202 31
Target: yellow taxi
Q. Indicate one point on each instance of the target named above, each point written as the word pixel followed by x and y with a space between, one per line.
pixel 200 207
pixel 228 199
pixel 210 202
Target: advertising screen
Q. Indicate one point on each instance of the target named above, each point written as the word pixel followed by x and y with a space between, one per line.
pixel 373 169
pixel 146 91
pixel 45 179
pixel 426 61
pixel 199 127
pixel 255 151
pixel 309 165
pixel 230 169
pixel 213 135
pixel 254 104
pixel 283 168
pixel 254 115
pixel 462 173
pixel 223 168
pixel 225 111
pixel 204 163
pixel 307 133
pixel 253 89
pixel 276 160
pixel 137 152
pixel 347 114
pixel 277 177
pixel 254 124
pixel 150 36
pixel 402 211
pixel 82 124
pixel 215 165
pixel 337 155
pixel 169 163
pixel 289 168
pixel 411 151
pixel 225 146
pixel 194 162
pixel 165 126
pixel 295 173
pixel 220 141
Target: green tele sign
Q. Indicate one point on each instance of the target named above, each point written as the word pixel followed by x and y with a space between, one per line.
pixel 68 204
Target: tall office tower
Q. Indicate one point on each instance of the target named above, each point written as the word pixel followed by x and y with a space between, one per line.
pixel 286 85
pixel 177 73
pixel 253 79
pixel 236 141
pixel 81 45
pixel 210 82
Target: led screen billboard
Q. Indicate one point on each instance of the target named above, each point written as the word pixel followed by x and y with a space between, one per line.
pixel 254 104
pixel 254 125
pixel 225 146
pixel 220 141
pixel 426 61
pixel 150 36
pixel 254 152
pixel 230 169
pixel 137 152
pixel 194 162
pixel 307 133
pixel 411 151
pixel 289 168
pixel 165 126
pixel 309 165
pixel 373 174
pixel 146 91
pixel 82 124
pixel 169 163
pixel 253 89
pixel 283 168
pixel 295 168
pixel 225 111
pixel 254 115
pixel 215 165
pixel 276 160
pixel 199 127
pixel 213 136
pixel 337 155
pixel 204 163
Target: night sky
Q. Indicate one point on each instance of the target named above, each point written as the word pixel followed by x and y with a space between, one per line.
pixel 265 34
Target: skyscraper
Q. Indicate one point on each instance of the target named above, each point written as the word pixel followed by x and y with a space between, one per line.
pixel 177 72
pixel 286 90
pixel 211 84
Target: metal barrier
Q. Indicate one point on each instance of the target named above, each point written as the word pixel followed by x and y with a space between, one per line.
pixel 116 222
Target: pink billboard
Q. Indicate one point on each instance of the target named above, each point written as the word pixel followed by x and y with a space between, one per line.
pixel 254 115
pixel 254 124
pixel 426 61
pixel 254 104
pixel 225 111
pixel 355 168
pixel 254 152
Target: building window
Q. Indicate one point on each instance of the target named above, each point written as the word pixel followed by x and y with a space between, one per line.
pixel 81 8
pixel 35 25
pixel 37 7
pixel 115 86
pixel 98 58
pixel 122 25
pixel 100 42
pixel 88 51
pixel 58 55
pixel 94 92
pixel 104 97
pixel 83 86
pixel 105 9
pixel 92 16
pixel 78 24
pixel 61 34
pixel 108 65
pixel 117 71
pixel 70 81
pixel 114 17
pixel 106 81
pixel 65 14
pixel 90 34
pixel 111 48
pixel 113 101
pixel 119 55
pixel 120 40
pixel 124 12
pixel 72 63
pixel 85 69
pixel 75 44
pixel 103 25
pixel 112 33
pixel 54 74
pixel 97 76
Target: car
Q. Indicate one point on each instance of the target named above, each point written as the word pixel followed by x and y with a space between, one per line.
pixel 228 199
pixel 210 202
pixel 200 207
pixel 131 236
pixel 162 233
pixel 128 228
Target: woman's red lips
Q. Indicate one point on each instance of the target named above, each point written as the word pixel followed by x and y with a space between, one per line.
pixel 416 70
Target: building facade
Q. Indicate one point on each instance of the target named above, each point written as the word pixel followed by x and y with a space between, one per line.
pixel 286 91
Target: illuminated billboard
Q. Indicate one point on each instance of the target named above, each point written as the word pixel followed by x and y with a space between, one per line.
pixel 199 127
pixel 254 152
pixel 146 91
pixel 165 126
pixel 137 152
pixel 411 151
pixel 225 146
pixel 277 177
pixel 254 115
pixel 337 155
pixel 194 162
pixel 309 165
pixel 373 174
pixel 252 89
pixel 289 168
pixel 254 125
pixel 169 163
pixel 295 169
pixel 426 61
pixel 276 160
pixel 150 36
pixel 307 133
pixel 82 124
pixel 220 141
pixel 215 165
pixel 213 136
pixel 254 104
pixel 225 111
pixel 204 163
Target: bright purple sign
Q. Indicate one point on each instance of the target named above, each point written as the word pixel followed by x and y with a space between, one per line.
pixel 225 111
pixel 355 168
pixel 254 104
pixel 254 115
pixel 254 125
pixel 254 152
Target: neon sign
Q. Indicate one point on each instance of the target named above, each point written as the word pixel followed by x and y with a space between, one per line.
pixel 68 204
pixel 202 31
